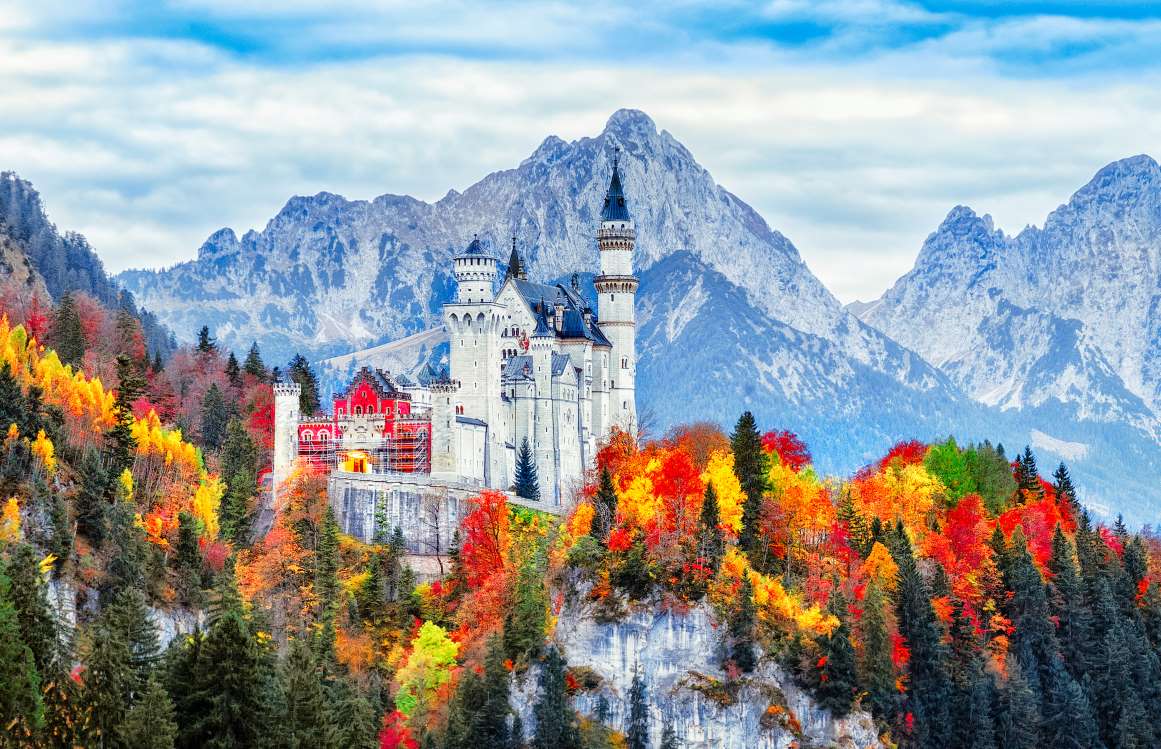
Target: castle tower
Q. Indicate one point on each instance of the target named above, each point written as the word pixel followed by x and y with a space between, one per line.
pixel 286 417
pixel 616 293
pixel 545 433
pixel 444 459
pixel 474 323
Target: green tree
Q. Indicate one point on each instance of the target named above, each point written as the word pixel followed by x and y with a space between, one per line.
pixel 711 543
pixel 837 683
pixel 741 627
pixel 21 708
pixel 358 725
pixel 750 466
pixel 637 730
pixel 876 669
pixel 669 738
pixel 233 371
pixel 556 725
pixel 150 723
pixel 526 484
pixel 527 617
pixel 946 461
pixel 1067 605
pixel 239 469
pixel 121 446
pixel 92 498
pixel 307 722
pixel 110 681
pixel 929 691
pixel 206 344
pixel 38 629
pixel 67 334
pixel 215 416
pixel 1067 719
pixel 129 551
pixel 299 371
pixel 187 561
pixel 1018 715
pixel 327 585
pixel 604 506
pixel 254 366
pixel 972 691
pixel 1065 489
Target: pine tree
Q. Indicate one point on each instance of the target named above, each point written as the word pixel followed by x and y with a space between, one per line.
pixel 307 722
pixel 1028 475
pixel 1065 490
pixel 21 707
pixel 129 615
pixel 233 372
pixel 254 366
pixel 972 692
pixel 876 669
pixel 67 334
pixel 742 628
pixel 239 469
pixel 1067 720
pixel 929 689
pixel 128 548
pixel 604 506
pixel 711 543
pixel 466 704
pixel 491 727
pixel 327 585
pixel 92 499
pixel 857 528
pixel 637 730
pixel 1067 605
pixel 526 483
pixel 750 466
pixel 299 371
pixel 215 416
pixel 526 619
pixel 1018 716
pixel 517 740
pixel 121 444
pixel 206 344
pixel 38 629
pixel 358 725
pixel 669 737
pixel 187 560
pixel 556 726
pixel 837 683
pixel 1034 639
pixel 110 681
pixel 150 723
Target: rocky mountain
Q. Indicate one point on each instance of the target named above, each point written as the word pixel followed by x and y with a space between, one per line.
pixel 1062 321
pixel 725 300
pixel 62 262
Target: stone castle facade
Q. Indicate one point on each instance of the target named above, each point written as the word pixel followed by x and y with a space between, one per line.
pixel 527 361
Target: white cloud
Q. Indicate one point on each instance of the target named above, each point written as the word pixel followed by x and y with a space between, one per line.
pixel 148 146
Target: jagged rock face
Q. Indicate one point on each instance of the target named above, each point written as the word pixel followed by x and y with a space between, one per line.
pixel 1070 312
pixel 1060 327
pixel 678 658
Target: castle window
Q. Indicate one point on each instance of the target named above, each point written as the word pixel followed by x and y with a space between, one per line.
pixel 324 436
pixel 624 362
pixel 306 436
pixel 358 410
pixel 340 410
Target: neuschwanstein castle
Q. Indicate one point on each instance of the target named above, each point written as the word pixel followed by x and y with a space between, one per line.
pixel 530 361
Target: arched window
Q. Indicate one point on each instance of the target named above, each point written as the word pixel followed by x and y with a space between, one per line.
pixel 307 437
pixel 358 410
pixel 324 436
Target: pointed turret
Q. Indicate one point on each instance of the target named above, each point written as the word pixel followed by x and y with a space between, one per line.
pixel 515 264
pixel 615 208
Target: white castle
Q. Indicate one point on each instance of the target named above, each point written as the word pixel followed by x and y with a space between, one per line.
pixel 528 362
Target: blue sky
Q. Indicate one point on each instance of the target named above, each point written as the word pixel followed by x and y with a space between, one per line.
pixel 853 126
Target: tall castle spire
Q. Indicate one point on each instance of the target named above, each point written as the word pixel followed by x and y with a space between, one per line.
pixel 616 293
pixel 515 264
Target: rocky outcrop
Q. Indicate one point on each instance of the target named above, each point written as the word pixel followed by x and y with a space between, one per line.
pixel 678 656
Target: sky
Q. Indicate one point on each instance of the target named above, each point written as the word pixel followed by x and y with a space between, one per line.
pixel 852 126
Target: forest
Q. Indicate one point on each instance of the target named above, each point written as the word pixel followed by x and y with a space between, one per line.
pixel 950 590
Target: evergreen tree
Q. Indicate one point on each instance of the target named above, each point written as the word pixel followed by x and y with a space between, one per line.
pixel 307 722
pixel 239 469
pixel 38 629
pixel 929 689
pixel 1065 490
pixel 254 366
pixel 15 407
pixel 742 628
pixel 526 619
pixel 129 615
pixel 128 548
pixel 1028 475
pixel 972 691
pixel 21 708
pixel 711 544
pixel 299 371
pixel 837 683
pixel 121 444
pixel 1018 715
pixel 876 669
pixel 604 506
pixel 233 372
pixel 556 726
pixel 1067 605
pixel 358 725
pixel 669 737
pixel 526 483
pixel 327 585
pixel 750 466
pixel 150 723
pixel 858 530
pixel 1067 719
pixel 1034 638
pixel 215 416
pixel 92 499
pixel 637 731
pixel 491 727
pixel 110 681
pixel 206 344
pixel 517 740
pixel 187 560
pixel 466 704
pixel 67 334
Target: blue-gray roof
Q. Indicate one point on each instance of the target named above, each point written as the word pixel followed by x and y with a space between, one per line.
pixel 517 368
pixel 560 363
pixel 470 420
pixel 475 248
pixel 615 208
